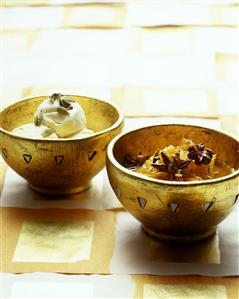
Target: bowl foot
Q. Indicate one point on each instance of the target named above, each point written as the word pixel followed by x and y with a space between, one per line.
pixel 58 191
pixel 179 238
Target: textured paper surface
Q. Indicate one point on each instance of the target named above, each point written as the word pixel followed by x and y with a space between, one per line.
pixel 165 70
pixel 203 252
pixel 193 291
pixel 16 193
pixel 101 250
pixel 32 17
pixel 178 40
pixel 230 124
pixel 79 290
pixel 136 253
pixel 54 242
pixel 3 170
pixel 172 286
pixel 96 40
pixel 96 14
pixel 219 72
pixel 135 123
pixel 166 100
pixel 49 285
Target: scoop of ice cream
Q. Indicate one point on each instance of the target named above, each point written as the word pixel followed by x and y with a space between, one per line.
pixel 64 116
pixel 32 131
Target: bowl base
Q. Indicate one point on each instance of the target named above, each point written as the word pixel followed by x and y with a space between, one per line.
pixel 179 238
pixel 57 191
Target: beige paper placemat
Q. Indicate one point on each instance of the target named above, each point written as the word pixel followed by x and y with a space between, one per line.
pixel 230 123
pixel 92 15
pixel 83 240
pixel 3 170
pixel 24 3
pixel 203 252
pixel 191 286
pixel 136 253
pixel 51 285
pixel 16 193
pixel 153 101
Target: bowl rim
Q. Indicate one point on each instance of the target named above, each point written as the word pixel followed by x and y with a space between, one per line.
pixel 97 134
pixel 134 175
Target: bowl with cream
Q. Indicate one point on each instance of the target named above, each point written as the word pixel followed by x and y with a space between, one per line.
pixel 58 142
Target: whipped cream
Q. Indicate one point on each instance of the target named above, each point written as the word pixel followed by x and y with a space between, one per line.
pixel 56 117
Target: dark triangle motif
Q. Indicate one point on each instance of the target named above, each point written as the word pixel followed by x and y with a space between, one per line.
pixel 91 155
pixel 142 202
pixel 174 207
pixel 207 206
pixel 27 158
pixel 59 159
pixel 4 152
pixel 235 200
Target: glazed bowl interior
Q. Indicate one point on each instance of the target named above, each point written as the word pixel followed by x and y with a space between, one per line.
pixel 148 140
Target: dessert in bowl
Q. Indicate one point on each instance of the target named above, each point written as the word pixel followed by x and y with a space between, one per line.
pixel 179 181
pixel 58 143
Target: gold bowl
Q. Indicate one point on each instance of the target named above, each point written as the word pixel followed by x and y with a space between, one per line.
pixel 60 166
pixel 173 210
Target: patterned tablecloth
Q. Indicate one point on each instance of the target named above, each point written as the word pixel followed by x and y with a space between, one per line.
pixel 160 62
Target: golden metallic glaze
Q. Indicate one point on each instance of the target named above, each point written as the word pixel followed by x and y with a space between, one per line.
pixel 172 210
pixel 61 166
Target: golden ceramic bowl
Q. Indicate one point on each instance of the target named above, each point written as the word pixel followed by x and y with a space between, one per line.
pixel 172 210
pixel 61 166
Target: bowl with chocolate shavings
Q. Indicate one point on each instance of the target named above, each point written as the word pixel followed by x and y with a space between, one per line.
pixel 179 181
pixel 58 143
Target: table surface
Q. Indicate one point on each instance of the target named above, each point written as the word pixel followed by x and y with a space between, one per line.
pixel 157 63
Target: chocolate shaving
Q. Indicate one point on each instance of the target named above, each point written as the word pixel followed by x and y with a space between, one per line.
pixel 54 97
pixel 65 104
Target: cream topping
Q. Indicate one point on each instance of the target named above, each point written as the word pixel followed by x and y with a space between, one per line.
pixel 56 117
pixel 32 131
pixel 66 117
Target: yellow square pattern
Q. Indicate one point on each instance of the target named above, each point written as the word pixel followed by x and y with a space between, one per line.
pixel 54 242
pixel 177 291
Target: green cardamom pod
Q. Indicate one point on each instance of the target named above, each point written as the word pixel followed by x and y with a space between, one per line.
pixel 38 119
pixel 48 132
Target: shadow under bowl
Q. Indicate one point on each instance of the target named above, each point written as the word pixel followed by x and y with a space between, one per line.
pixel 172 210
